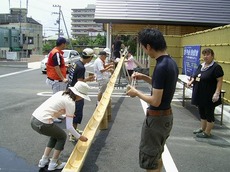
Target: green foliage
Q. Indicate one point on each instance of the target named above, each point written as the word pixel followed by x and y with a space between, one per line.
pixel 129 40
pixel 99 40
pixel 132 43
pixel 48 46
pixel 82 40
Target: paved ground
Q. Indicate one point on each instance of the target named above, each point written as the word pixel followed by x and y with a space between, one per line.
pixel 114 149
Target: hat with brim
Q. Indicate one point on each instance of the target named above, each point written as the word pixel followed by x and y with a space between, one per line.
pixel 81 89
pixel 87 53
pixel 107 50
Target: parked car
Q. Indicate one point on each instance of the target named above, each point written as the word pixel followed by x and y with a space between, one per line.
pixel 70 56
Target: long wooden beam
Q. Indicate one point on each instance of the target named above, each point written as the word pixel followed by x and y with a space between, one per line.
pixel 80 151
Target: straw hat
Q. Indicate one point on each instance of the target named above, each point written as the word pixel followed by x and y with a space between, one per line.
pixel 81 89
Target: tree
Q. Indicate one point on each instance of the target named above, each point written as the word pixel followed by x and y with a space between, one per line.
pixel 99 40
pixel 48 46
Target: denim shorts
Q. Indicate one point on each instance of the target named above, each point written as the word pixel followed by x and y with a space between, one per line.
pixel 56 86
pixel 155 131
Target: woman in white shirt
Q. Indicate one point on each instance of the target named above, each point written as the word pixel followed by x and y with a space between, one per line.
pixel 62 102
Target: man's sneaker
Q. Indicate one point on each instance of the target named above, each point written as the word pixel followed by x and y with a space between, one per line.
pixel 43 162
pixel 56 166
pixel 79 131
pixel 56 120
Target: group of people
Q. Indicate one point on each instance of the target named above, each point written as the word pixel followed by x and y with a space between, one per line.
pixel 207 82
pixel 68 98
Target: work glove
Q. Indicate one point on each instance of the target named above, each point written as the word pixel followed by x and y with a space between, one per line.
pixel 215 97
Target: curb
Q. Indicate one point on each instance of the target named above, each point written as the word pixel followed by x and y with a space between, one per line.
pixel 14 64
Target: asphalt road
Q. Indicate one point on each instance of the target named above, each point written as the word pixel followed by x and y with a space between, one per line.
pixel 114 149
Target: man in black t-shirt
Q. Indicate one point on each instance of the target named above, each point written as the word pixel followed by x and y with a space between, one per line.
pixel 159 118
pixel 77 73
pixel 117 45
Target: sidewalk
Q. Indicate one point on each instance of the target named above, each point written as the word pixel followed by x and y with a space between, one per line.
pixel 226 110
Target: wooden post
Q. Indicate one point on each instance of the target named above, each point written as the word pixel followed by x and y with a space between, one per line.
pixel 109 109
pixel 104 122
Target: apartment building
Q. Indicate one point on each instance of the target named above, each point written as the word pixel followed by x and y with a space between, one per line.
pixel 83 22
pixel 23 33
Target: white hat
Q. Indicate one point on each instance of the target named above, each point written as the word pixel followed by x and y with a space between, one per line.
pixel 81 89
pixel 88 52
pixel 107 50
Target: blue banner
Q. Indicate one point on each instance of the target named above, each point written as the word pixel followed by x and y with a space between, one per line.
pixel 191 59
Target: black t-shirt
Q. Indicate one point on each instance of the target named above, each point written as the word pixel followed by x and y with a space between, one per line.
pixel 165 77
pixel 117 46
pixel 204 85
pixel 76 71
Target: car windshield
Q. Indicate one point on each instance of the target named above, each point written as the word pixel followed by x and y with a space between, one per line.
pixel 66 54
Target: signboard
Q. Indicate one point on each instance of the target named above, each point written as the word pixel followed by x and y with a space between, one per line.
pixel 191 59
pixel 11 56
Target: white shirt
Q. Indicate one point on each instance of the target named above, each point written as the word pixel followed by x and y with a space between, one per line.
pixel 98 66
pixel 54 107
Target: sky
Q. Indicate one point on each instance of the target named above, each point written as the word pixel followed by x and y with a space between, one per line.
pixel 41 11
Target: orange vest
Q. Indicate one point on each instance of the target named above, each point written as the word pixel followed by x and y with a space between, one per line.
pixel 51 72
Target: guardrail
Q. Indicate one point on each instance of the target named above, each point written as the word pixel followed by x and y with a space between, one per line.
pixel 77 157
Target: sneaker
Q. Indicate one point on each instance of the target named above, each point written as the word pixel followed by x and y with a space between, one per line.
pixel 56 120
pixel 72 138
pixel 62 116
pixel 197 131
pixel 43 162
pixel 56 166
pixel 203 135
pixel 79 131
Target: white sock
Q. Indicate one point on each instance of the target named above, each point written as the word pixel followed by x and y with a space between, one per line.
pixel 45 157
pixel 53 160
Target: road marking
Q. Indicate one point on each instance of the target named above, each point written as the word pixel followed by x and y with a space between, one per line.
pixel 14 73
pixel 166 156
pixel 91 94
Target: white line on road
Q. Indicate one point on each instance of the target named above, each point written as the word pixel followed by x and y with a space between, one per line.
pixel 166 156
pixel 14 73
pixel 91 94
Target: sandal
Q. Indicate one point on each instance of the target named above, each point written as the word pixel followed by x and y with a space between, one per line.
pixel 197 131
pixel 203 135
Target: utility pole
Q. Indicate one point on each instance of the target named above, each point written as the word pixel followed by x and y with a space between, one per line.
pixel 59 23
pixel 59 19
pixel 67 31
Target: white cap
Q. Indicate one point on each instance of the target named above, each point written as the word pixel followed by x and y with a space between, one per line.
pixel 107 50
pixel 88 52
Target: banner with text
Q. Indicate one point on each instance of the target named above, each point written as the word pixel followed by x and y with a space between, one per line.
pixel 191 59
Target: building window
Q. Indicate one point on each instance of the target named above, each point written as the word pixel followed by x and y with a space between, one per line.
pixel 15 39
pixel 6 40
pixel 30 40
